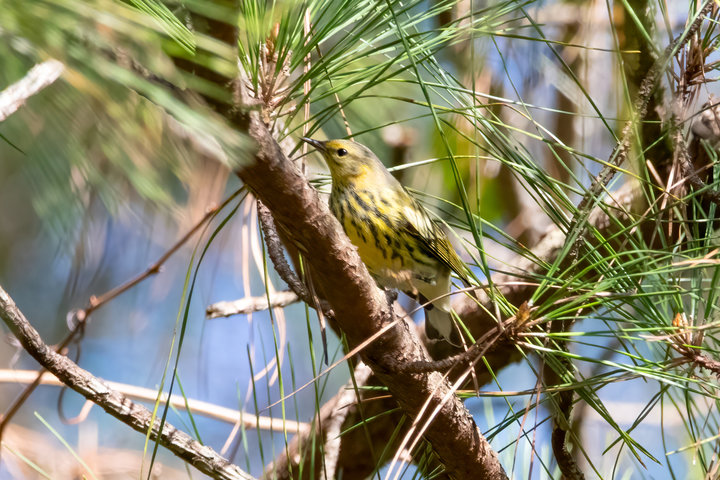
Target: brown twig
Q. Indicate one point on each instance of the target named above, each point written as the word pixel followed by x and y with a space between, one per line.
pixel 80 317
pixel 705 362
pixel 622 149
pixel 700 360
pixel 490 340
pixel 276 254
pixel 307 294
pixel 202 457
pixel 689 345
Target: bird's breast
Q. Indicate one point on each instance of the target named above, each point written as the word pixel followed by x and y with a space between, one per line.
pixel 374 225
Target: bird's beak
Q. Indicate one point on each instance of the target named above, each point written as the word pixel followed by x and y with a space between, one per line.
pixel 315 143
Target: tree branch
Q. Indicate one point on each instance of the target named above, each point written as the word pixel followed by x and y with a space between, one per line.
pixel 361 308
pixel 81 317
pixel 119 406
pixel 39 77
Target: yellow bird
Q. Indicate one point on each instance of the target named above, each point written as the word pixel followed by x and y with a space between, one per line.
pixel 395 236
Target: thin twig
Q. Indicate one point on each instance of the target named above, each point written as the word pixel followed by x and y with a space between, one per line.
pixel 251 304
pixel 275 252
pixel 307 294
pixel 491 339
pixel 80 317
pixel 97 302
pixel 231 415
pixel 704 361
pixel 202 457
pixel 576 231
pixel 695 355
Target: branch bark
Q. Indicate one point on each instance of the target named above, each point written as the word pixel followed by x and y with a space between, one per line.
pixel 361 309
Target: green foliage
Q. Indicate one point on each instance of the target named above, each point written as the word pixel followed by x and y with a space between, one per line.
pixel 103 132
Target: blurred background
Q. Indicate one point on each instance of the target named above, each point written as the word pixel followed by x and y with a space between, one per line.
pixel 99 179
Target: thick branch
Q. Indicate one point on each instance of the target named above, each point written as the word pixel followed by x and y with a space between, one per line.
pixel 361 309
pixel 119 406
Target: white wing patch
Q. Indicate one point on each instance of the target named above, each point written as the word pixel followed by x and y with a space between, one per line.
pixel 421 222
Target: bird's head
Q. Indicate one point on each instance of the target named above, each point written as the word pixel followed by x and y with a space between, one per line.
pixel 349 161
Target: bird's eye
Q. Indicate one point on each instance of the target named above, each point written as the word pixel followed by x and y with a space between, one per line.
pixel 341 152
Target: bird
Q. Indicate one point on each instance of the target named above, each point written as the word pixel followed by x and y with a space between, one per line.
pixel 402 247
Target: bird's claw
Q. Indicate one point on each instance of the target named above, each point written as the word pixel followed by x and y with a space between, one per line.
pixel 391 296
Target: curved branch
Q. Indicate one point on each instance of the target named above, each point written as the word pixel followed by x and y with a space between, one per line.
pixel 361 309
pixel 116 404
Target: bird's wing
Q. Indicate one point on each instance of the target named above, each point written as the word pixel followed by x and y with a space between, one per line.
pixel 418 224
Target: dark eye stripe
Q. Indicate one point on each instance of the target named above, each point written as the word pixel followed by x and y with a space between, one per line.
pixel 341 152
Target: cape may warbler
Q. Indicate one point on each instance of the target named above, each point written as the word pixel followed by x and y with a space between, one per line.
pixel 399 243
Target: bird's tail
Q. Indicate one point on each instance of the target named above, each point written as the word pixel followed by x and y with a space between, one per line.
pixel 439 324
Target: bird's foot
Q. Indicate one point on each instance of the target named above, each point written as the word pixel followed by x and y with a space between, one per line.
pixel 391 296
